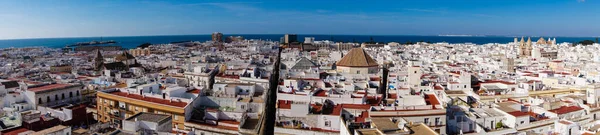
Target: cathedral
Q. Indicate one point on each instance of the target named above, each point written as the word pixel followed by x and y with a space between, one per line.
pixel 542 41
pixel 122 62
pixel 525 48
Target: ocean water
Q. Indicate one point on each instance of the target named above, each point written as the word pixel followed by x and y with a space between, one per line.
pixel 133 41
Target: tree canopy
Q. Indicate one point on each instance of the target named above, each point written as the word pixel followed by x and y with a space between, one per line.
pixel 144 45
pixel 586 42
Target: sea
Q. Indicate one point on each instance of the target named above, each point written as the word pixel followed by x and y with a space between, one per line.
pixel 134 41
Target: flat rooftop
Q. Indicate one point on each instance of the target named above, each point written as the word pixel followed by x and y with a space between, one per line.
pixel 486 112
pixel 151 117
pixel 51 130
pixel 149 99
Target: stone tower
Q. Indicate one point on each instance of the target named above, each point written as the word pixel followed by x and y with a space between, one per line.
pixel 528 47
pixel 98 61
pixel 522 47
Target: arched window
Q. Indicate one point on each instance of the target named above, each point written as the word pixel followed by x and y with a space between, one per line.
pixel 40 101
pixel 71 94
pixel 56 97
pixel 77 93
pixel 47 99
pixel 63 96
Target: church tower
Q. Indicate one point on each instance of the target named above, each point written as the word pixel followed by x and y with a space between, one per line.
pixel 98 61
pixel 522 47
pixel 528 47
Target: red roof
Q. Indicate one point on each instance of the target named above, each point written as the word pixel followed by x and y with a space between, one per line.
pixel 565 122
pixel 566 109
pixel 48 87
pixel 216 126
pixel 455 72
pixel 392 96
pixel 284 104
pixel 430 98
pixel 373 101
pixel 518 113
pixel 14 131
pixel 362 117
pixel 357 106
pixel 150 99
pixel 337 110
pixel 498 81
pixel 229 122
pixel 195 91
pixel 320 93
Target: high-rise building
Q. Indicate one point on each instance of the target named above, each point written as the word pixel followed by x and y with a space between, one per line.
pixel 309 40
pixel 217 37
pixel 290 38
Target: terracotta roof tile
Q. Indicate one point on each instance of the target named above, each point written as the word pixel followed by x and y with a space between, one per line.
pixel 566 109
pixel 48 87
pixel 357 57
pixel 150 99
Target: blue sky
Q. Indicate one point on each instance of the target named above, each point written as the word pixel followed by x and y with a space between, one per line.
pixel 85 18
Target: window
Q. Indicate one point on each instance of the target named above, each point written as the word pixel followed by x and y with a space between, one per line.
pixel 63 96
pixel 522 122
pixel 175 117
pixel 77 93
pixel 243 106
pixel 71 94
pixel 328 123
pixel 415 72
pixel 56 97
pixel 358 72
pixel 437 121
pixel 40 102
pixel 47 99
pixel 426 121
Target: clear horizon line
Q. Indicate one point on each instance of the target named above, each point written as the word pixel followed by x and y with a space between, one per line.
pixel 440 35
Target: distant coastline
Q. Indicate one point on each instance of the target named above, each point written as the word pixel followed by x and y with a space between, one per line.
pixel 134 41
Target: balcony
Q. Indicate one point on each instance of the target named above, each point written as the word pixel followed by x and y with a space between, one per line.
pixel 121 109
pixel 117 115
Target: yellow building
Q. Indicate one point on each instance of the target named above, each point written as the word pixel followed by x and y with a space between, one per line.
pixel 139 52
pixel 115 106
pixel 61 68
